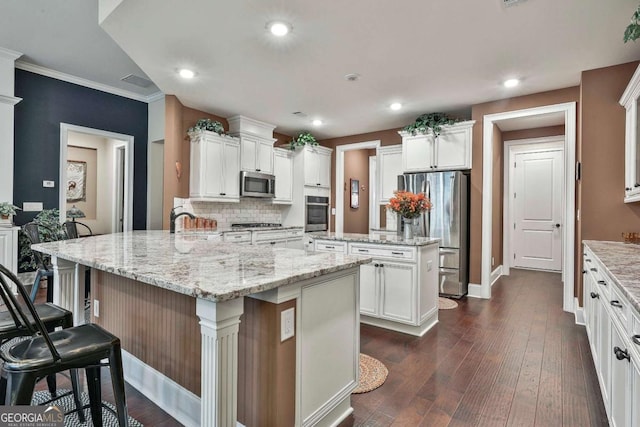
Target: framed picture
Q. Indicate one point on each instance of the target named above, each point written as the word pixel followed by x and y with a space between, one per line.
pixel 76 181
pixel 355 198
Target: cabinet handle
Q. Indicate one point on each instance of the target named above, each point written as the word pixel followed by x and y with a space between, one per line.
pixel 636 339
pixel 223 194
pixel 376 265
pixel 602 282
pixel 588 260
pixel 584 271
pixel 272 243
pixel 621 354
pixel 636 185
pixel 363 250
pixel 594 295
pixel 593 269
pixel 616 303
pixel 318 184
pixel 397 253
pixel 381 265
pixel 329 247
pixel 435 166
pixel 628 189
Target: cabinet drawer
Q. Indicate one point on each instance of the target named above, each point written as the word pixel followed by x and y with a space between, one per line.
pixel 619 307
pixel 400 253
pixel 237 237
pixel 330 246
pixel 261 236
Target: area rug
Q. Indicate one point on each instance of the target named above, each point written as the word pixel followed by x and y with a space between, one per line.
pixel 373 374
pixel 66 404
pixel 446 304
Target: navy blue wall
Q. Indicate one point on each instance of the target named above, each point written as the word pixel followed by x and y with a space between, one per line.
pixel 47 102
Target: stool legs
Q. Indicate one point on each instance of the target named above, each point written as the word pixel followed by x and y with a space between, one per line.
pixel 117 380
pixel 95 399
pixel 75 388
pixel 20 388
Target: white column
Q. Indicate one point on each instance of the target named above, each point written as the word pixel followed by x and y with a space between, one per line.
pixel 219 324
pixel 7 101
pixel 68 287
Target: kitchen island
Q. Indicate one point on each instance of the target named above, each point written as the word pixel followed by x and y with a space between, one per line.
pixel 399 287
pixel 216 333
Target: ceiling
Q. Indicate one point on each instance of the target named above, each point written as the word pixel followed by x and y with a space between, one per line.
pixel 438 55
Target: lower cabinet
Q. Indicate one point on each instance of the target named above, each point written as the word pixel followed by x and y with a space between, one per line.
pixel 9 248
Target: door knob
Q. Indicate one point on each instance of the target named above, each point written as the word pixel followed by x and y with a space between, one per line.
pixel 555 226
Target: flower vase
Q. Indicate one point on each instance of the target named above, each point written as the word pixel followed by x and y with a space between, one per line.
pixel 408 228
pixel 5 221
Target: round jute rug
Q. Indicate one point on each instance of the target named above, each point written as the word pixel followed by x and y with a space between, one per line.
pixel 446 304
pixel 373 374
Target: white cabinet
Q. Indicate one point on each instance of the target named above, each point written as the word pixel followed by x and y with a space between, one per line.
pixel 399 288
pixel 214 168
pixel 283 168
pixel 629 101
pixel 389 160
pixel 256 153
pixel 317 166
pixel 9 248
pixel 450 150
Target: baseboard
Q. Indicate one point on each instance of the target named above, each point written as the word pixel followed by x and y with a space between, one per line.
pixel 170 396
pixel 495 274
pixel 475 291
pixel 579 312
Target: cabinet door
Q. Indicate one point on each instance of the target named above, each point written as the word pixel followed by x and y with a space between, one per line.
pixel 324 169
pixel 213 168
pixel 417 153
pixel 265 157
pixel 620 371
pixel 231 169
pixel 249 148
pixel 389 166
pixel 283 168
pixel 296 243
pixel 311 167
pixel 604 350
pixel 634 388
pixel 398 292
pixel 591 312
pixel 453 149
pixel 369 289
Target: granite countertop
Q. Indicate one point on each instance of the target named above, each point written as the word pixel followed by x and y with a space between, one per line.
pixel 622 262
pixel 222 230
pixel 195 266
pixel 377 237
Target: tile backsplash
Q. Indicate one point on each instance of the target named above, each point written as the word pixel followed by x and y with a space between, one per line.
pixel 248 210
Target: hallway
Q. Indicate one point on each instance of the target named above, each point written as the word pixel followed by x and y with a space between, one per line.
pixel 517 359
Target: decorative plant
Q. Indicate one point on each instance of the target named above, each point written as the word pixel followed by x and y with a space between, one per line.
pixel 408 204
pixel 51 231
pixel 208 124
pixel 305 138
pixel 632 32
pixel 433 121
pixel 7 209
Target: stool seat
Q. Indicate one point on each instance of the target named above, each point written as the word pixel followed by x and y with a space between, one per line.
pixel 52 316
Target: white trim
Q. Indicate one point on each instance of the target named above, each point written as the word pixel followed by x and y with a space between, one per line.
pixel 633 90
pixel 569 110
pixel 475 291
pixel 11 100
pixel 116 175
pixel 548 143
pixel 128 140
pixel 170 396
pixel 9 54
pixel 37 69
pixel 374 222
pixel 496 274
pixel 340 150
pixel 578 312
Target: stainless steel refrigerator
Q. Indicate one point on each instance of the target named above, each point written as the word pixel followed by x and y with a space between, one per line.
pixel 448 220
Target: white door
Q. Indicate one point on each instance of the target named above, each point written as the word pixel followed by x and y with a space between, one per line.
pixel 537 210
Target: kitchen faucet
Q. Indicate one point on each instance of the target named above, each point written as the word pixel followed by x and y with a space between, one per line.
pixel 173 217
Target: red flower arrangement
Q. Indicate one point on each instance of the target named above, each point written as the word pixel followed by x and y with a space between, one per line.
pixel 408 204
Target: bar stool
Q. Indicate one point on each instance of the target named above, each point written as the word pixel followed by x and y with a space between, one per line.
pixel 32 231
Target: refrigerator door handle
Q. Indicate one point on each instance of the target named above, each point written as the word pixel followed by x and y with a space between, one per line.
pixel 426 219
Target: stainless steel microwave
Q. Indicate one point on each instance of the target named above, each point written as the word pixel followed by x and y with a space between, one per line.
pixel 254 184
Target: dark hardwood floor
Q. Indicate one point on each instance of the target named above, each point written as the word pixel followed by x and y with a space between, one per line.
pixel 517 359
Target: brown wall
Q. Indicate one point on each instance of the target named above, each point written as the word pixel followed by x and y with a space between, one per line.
pixel 477 113
pixel 178 119
pixel 356 166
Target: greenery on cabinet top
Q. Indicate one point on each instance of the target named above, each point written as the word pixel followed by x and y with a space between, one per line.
pixel 207 124
pixel 632 32
pixel 304 138
pixel 430 121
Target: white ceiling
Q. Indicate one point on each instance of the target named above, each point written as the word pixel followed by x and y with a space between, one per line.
pixel 438 55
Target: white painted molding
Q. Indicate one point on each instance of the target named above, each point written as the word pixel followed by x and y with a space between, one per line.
pixel 496 274
pixel 155 97
pixel 37 69
pixel 11 100
pixel 9 54
pixel 477 291
pixel 579 312
pixel 174 399
pixel 632 91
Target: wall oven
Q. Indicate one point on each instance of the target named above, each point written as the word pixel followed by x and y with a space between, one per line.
pixel 316 213
pixel 253 184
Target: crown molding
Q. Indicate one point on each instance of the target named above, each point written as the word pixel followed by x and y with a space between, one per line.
pixel 37 69
pixel 9 54
pixel 11 100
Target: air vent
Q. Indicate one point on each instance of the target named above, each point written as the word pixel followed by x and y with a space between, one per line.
pixel 137 80
pixel 507 3
pixel 299 114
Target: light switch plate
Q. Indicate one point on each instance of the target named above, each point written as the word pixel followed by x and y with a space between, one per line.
pixel 32 206
pixel 96 308
pixel 287 324
pixel 48 184
pixel 333 211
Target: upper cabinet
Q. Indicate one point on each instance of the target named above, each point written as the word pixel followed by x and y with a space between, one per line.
pixel 283 166
pixel 389 167
pixel 256 142
pixel 214 173
pixel 451 150
pixel 317 166
pixel 629 101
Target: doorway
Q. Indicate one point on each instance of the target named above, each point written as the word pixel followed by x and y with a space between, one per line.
pixel 110 209
pixel 533 203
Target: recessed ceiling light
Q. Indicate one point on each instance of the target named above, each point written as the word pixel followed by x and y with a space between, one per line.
pixel 395 106
pixel 186 73
pixel 511 83
pixel 279 28
pixel 317 122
